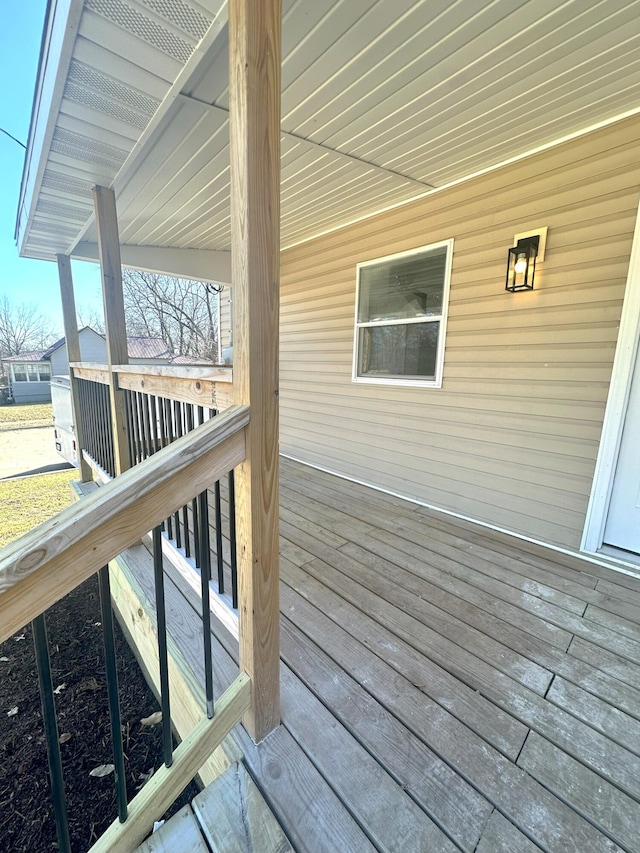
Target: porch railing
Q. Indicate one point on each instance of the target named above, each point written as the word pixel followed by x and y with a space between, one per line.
pixel 162 404
pixel 56 557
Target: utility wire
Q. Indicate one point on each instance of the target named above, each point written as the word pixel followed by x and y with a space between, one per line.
pixel 6 132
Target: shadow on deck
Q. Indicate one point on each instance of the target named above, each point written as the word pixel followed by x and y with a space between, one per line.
pixel 444 687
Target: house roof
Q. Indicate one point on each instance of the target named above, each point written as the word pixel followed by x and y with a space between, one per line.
pixel 382 101
pixel 138 346
pixel 35 355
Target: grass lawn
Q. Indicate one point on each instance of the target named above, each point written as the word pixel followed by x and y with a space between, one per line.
pixel 27 415
pixel 26 502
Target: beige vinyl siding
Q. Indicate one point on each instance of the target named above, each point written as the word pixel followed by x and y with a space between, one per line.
pixel 512 436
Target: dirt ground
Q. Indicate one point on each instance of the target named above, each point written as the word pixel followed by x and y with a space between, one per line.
pixel 24 450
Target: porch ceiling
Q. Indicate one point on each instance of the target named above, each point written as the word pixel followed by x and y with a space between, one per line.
pixel 381 102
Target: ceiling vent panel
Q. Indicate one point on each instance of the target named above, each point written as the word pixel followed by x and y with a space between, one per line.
pixel 89 150
pixel 180 15
pixel 89 78
pixel 142 27
pixel 105 106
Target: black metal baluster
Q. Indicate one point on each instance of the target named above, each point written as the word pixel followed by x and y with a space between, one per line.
pixel 171 436
pixel 194 502
pixel 205 577
pixel 129 420
pixel 111 451
pixel 51 732
pixel 162 441
pixel 163 657
pixel 145 425
pixel 232 539
pixel 112 690
pixel 218 516
pixel 179 415
pixel 135 421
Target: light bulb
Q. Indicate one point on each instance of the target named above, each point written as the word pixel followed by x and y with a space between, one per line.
pixel 521 264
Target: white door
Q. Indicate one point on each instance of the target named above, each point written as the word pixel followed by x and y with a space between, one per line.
pixel 622 529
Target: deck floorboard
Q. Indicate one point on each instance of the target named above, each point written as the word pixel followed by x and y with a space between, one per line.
pixel 444 686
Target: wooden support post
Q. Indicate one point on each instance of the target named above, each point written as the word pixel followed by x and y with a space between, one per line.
pixel 117 353
pixel 70 321
pixel 254 80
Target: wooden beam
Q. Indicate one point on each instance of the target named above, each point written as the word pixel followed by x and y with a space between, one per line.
pixel 70 322
pixel 116 332
pixel 168 782
pixel 91 372
pixel 254 85
pixel 56 556
pixel 201 392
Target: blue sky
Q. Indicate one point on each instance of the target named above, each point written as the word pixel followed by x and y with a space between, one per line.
pixel 22 279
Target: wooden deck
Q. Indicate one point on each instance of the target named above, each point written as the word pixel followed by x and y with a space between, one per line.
pixel 444 687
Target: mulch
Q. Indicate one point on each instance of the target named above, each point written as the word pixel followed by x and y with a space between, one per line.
pixel 77 663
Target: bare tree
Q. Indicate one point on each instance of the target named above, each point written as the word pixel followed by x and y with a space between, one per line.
pixel 23 328
pixel 90 317
pixel 182 312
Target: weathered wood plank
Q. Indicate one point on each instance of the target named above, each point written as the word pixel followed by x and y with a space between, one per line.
pixel 446 637
pixel 608 758
pixel 615 813
pixel 53 558
pixel 330 613
pixel 254 146
pixel 607 661
pixel 180 834
pixel 439 791
pixel 501 836
pixel 528 804
pixel 603 716
pixel 613 621
pixel 235 818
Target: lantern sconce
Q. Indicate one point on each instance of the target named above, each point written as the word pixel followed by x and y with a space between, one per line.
pixel 526 252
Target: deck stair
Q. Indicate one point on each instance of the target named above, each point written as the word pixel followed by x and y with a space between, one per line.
pixel 228 816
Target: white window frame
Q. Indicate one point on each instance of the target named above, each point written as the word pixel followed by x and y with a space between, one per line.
pixel 436 382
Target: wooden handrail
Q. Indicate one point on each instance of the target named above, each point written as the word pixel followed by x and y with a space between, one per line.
pixel 210 387
pixel 52 559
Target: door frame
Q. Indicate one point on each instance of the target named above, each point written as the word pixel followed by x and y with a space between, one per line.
pixel 617 402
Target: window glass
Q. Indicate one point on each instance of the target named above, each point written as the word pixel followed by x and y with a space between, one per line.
pixel 403 288
pixel 401 317
pixel 19 373
pixel 44 372
pixel 33 372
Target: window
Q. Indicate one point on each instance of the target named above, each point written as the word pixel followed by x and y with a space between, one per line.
pixel 401 313
pixel 19 373
pixel 35 372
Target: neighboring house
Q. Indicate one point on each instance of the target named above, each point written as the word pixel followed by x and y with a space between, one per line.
pixel 29 376
pixel 30 373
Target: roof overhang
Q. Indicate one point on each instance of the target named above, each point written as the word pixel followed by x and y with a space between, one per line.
pixel 382 102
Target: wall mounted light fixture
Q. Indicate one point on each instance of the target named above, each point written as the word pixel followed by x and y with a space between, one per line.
pixel 525 255
pixel 521 263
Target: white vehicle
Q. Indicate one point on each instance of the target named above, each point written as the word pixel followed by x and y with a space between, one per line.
pixel 64 428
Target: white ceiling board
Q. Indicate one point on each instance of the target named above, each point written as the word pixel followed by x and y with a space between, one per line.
pixel 420 117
